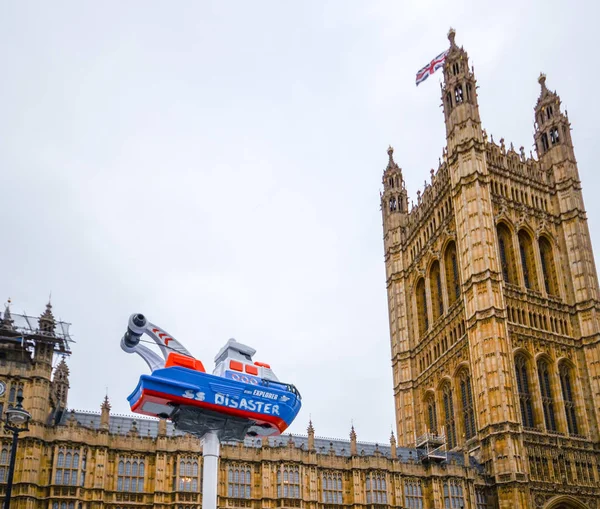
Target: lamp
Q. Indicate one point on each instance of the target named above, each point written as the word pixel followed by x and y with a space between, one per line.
pixel 17 421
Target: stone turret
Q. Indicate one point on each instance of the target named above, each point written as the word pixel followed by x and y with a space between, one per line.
pixel 311 436
pixel 105 414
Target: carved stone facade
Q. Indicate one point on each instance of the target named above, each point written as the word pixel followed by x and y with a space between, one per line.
pixel 493 304
pixel 88 460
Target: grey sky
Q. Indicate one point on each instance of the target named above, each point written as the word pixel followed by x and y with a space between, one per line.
pixel 217 166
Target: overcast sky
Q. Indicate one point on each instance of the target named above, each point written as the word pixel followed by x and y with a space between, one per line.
pixel 217 166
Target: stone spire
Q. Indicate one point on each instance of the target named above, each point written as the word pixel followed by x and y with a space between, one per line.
pixel 393 446
pixel 394 197
pixel 46 322
pixel 353 448
pixel 105 414
pixel 311 436
pixel 459 97
pixel 7 322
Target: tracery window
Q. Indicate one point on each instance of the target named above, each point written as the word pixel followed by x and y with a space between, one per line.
pixel 239 482
pixel 480 499
pixel 435 283
pixel 431 414
pixel 554 139
pixel 546 391
pixel 524 392
pixel 331 484
pixel 453 494
pixel 64 505
pixel 67 468
pixel 130 475
pixel 548 267
pixel 545 145
pixel 452 273
pixel 4 462
pixel 449 424
pixel 566 383
pixel 458 94
pixel 187 478
pixel 468 410
pixel 413 494
pixel 527 260
pixel 376 488
pixel 288 482
pixel 423 320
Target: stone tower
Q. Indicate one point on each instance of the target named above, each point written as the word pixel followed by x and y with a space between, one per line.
pixel 493 302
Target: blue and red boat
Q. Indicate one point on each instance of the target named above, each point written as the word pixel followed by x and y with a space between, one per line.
pixel 239 395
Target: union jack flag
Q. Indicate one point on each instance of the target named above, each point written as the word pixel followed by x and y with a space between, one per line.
pixel 431 67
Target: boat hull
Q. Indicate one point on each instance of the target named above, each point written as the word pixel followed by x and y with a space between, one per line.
pixel 268 406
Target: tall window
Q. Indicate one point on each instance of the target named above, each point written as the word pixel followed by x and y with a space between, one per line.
pixel 63 505
pixel 288 482
pixel 547 399
pixel 466 397
pixel 449 425
pixel 67 468
pixel 376 488
pixel 435 287
pixel 458 94
pixel 548 267
pixel 422 308
pixel 413 494
pixel 566 383
pixel 331 484
pixel 507 257
pixel 4 459
pixel 527 260
pixel 452 273
pixel 130 475
pixel 431 414
pixel 239 482
pixel 453 495
pixel 524 391
pixel 480 499
pixel 187 480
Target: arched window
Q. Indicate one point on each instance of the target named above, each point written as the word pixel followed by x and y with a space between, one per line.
pixel 525 402
pixel 413 494
pixel 458 94
pixel 431 414
pixel 453 494
pixel 527 260
pixel 422 308
pixel 545 144
pixel 507 257
pixel 376 488
pixel 449 101
pixel 546 390
pixel 290 487
pixel 240 482
pixel 548 267
pixel 568 393
pixel 452 273
pixel 435 288
pixel 468 410
pixel 331 484
pixel 449 425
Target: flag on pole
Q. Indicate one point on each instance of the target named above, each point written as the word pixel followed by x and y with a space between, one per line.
pixel 431 67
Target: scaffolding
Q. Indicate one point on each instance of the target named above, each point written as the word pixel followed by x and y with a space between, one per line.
pixel 26 330
pixel 431 447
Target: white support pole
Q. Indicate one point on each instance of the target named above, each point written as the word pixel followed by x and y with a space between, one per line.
pixel 210 470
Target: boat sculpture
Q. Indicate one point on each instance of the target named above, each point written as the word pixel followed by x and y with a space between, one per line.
pixel 240 398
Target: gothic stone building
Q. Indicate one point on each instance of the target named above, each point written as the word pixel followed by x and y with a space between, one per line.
pixel 494 331
pixel 493 304
pixel 88 460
